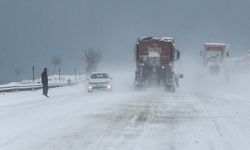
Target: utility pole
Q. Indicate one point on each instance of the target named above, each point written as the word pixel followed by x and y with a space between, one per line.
pixel 59 74
pixel 33 73
pixel 75 74
pixel 79 74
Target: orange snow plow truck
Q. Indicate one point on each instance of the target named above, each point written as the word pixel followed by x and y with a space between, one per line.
pixel 155 58
pixel 214 55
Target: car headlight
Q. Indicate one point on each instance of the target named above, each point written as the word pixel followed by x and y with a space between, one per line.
pixel 109 86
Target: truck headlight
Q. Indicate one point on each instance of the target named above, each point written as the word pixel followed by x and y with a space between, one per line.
pixel 90 87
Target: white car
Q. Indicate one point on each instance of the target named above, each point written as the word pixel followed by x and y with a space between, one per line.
pixel 99 81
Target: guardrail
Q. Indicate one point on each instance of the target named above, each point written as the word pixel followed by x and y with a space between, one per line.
pixel 32 87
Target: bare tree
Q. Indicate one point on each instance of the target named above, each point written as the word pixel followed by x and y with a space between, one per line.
pixel 92 58
pixel 56 61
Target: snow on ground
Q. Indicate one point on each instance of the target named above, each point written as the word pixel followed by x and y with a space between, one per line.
pixel 207 116
pixel 52 80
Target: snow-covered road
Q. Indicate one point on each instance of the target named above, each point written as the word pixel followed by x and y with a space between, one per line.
pixel 72 119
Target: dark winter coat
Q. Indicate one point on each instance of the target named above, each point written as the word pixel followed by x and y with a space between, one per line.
pixel 45 78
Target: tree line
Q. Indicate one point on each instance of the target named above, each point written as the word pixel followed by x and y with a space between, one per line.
pixel 91 57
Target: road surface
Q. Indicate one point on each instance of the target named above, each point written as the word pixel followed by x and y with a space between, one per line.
pixel 151 119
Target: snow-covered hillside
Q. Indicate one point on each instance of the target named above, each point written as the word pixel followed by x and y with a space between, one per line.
pixel 239 64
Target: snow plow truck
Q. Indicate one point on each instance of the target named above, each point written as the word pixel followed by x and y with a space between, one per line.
pixel 155 57
pixel 214 55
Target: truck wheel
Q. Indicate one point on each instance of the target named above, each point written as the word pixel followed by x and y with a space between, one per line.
pixel 138 85
pixel 173 89
pixel 170 89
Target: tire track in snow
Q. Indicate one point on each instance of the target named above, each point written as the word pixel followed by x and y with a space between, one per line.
pixel 128 123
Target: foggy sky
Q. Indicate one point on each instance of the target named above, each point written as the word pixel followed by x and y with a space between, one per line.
pixel 33 31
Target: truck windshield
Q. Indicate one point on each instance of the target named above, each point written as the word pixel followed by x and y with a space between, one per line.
pixel 154 51
pixel 213 54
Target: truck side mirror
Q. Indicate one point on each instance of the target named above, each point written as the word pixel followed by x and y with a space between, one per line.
pixel 227 54
pixel 201 53
pixel 178 55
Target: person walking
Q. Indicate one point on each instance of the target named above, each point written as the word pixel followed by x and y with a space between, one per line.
pixel 45 82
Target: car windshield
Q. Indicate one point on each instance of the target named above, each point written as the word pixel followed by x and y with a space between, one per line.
pixel 99 75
